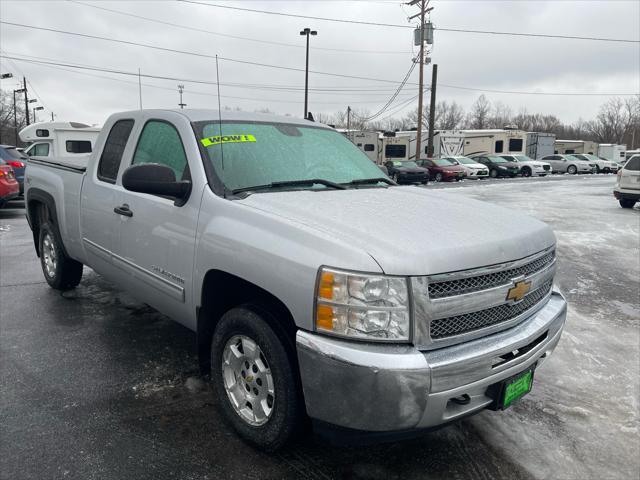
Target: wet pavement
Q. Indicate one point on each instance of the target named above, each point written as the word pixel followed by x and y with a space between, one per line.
pixel 95 385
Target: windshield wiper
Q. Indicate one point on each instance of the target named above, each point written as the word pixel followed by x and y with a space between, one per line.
pixel 291 183
pixel 370 181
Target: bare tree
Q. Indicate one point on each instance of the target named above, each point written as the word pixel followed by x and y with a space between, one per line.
pixel 501 115
pixel 7 128
pixel 613 121
pixel 479 116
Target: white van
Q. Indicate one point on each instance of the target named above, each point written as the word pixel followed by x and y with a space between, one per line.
pixel 59 139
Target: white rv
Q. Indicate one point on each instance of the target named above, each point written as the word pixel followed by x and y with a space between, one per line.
pixel 539 145
pixel 59 139
pixel 613 152
pixel 568 147
pixel 379 147
pixel 494 141
pixel 445 143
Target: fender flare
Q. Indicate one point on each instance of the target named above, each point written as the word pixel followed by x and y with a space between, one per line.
pixel 39 195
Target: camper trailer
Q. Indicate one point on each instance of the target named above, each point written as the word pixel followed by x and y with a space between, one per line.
pixel 613 152
pixel 445 143
pixel 379 147
pixel 494 141
pixel 59 139
pixel 539 145
pixel 567 147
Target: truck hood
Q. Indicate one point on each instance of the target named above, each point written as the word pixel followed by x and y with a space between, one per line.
pixel 410 230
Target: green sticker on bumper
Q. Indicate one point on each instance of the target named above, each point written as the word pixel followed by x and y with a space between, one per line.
pixel 517 388
pixel 207 142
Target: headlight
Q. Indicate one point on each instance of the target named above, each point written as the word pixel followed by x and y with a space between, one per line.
pixel 367 307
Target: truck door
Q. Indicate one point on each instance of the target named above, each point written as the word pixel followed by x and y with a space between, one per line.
pixel 157 236
pixel 98 221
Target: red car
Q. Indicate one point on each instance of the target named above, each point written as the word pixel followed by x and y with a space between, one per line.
pixel 442 170
pixel 9 186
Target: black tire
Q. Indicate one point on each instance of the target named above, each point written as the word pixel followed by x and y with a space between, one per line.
pixel 60 271
pixel 438 177
pixel 526 172
pixel 598 170
pixel 394 177
pixel 287 412
pixel 627 203
pixel 572 169
pixel 493 173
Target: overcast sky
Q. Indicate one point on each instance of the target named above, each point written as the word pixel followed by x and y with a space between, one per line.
pixel 373 52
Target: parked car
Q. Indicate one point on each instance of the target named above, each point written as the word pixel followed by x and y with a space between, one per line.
pixel 529 166
pixel 406 172
pixel 9 187
pixel 473 169
pixel 569 164
pixel 442 170
pixel 627 189
pixel 602 164
pixel 17 160
pixel 317 288
pixel 498 166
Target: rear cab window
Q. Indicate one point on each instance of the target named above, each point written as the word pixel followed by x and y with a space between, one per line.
pixel 113 149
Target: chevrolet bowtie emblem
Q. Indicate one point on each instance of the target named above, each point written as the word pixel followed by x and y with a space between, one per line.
pixel 518 291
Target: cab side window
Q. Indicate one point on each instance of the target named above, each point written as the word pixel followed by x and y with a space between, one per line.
pixel 40 150
pixel 113 150
pixel 160 143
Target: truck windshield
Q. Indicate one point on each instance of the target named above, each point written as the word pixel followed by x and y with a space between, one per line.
pixel 257 153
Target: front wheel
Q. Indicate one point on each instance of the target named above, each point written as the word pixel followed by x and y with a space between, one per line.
pixel 572 169
pixel 60 271
pixel 254 379
pixel 627 203
pixel 438 177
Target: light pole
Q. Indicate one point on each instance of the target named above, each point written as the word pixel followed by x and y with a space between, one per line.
pixel 35 109
pixel 306 32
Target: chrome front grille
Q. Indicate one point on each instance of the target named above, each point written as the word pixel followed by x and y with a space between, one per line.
pixel 459 324
pixel 450 288
pixel 454 307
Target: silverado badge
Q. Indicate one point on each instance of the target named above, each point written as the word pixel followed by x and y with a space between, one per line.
pixel 518 291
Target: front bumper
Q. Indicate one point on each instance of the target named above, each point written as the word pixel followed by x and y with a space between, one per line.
pixel 391 388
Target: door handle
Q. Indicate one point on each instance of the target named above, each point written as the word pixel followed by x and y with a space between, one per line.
pixel 123 210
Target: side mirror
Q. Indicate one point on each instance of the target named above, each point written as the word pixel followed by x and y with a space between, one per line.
pixel 155 179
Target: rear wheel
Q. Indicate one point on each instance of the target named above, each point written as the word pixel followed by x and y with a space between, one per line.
pixel 60 271
pixel 572 169
pixel 526 172
pixel 598 169
pixel 493 173
pixel 627 203
pixel 254 379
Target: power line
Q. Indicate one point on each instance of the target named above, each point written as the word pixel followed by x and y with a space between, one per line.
pixel 195 54
pixel 173 89
pixel 393 97
pixel 274 87
pixel 396 25
pixel 236 37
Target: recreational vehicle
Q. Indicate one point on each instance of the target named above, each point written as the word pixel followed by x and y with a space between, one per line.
pixel 59 139
pixel 445 143
pixel 568 147
pixel 379 147
pixel 539 145
pixel 494 141
pixel 612 152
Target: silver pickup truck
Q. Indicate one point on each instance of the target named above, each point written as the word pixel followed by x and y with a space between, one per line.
pixel 317 287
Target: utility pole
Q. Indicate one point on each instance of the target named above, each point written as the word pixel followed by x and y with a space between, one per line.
pixel 349 123
pixel 181 89
pixel 15 118
pixel 423 4
pixel 140 88
pixel 432 109
pixel 307 32
pixel 26 99
pixel 52 116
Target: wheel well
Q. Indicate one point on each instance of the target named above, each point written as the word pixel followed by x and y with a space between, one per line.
pixel 39 213
pixel 222 291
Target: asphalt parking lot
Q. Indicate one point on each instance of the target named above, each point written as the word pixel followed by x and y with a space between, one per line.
pixel 98 386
